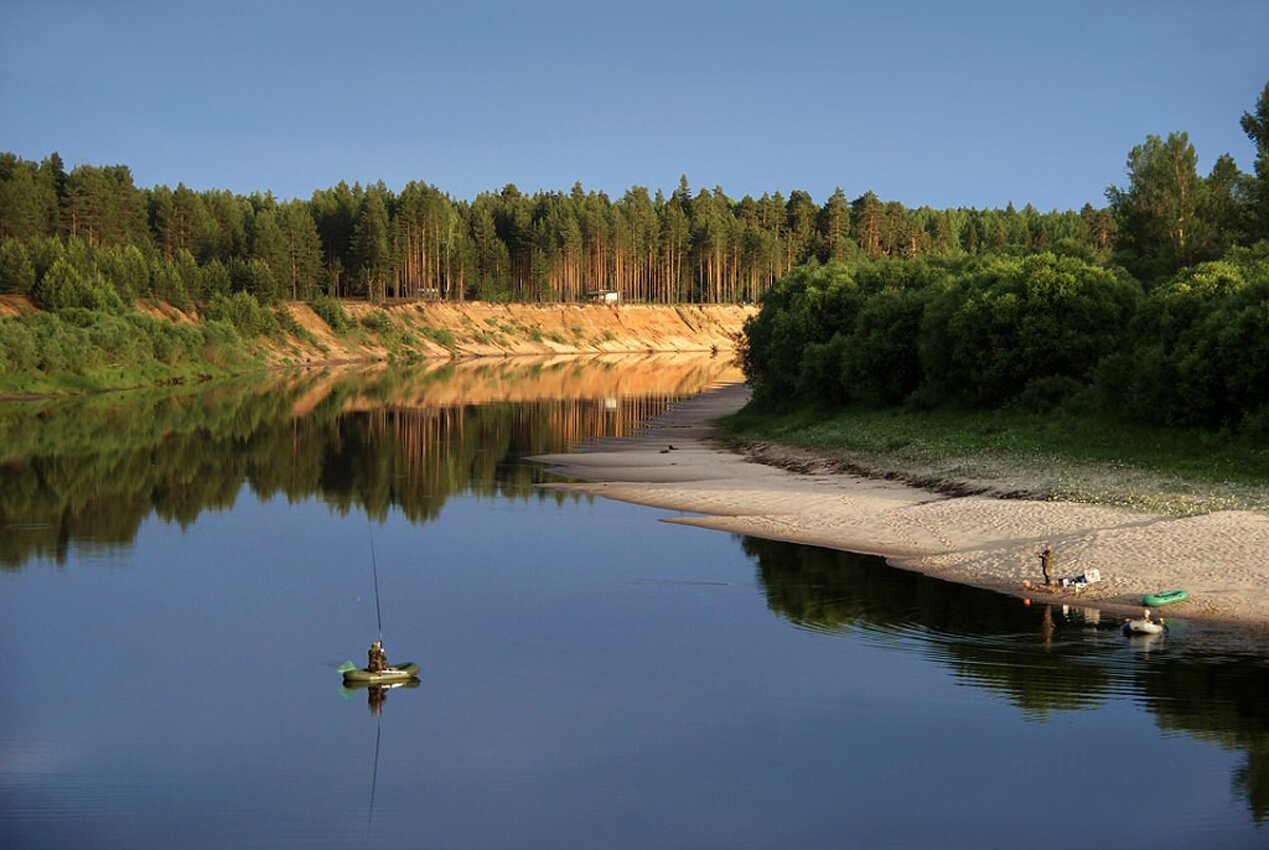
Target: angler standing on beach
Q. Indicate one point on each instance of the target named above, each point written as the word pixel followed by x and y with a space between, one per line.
pixel 1046 564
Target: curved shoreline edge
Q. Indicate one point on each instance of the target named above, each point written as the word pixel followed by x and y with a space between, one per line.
pixel 676 463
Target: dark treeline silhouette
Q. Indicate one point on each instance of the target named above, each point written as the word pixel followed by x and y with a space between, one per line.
pixel 358 241
pixel 1171 328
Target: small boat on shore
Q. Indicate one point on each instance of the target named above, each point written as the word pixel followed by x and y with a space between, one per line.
pixel 1154 600
pixel 395 673
pixel 1142 626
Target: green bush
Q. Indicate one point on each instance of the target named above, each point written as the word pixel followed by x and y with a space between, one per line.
pixel 1040 332
pixel 881 360
pixel 19 347
pixel 1012 320
pixel 65 285
pixel 221 343
pixel 377 320
pixel 821 372
pixel 242 311
pixel 330 311
pixel 1198 348
pixel 804 309
pixel 442 336
pixel 1050 393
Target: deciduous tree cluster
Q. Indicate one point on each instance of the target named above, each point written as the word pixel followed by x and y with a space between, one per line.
pixel 1041 332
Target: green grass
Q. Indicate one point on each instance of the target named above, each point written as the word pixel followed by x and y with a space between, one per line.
pixel 1079 458
pixel 442 335
pixel 107 378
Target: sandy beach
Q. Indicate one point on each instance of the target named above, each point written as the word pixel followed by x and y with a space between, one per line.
pixel 986 541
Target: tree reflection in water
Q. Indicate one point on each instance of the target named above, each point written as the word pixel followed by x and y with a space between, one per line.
pixel 1042 658
pixel 87 472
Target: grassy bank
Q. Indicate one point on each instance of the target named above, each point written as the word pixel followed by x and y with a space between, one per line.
pixel 1077 458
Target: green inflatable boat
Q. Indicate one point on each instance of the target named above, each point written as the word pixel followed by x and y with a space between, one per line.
pixel 1154 600
pixel 394 673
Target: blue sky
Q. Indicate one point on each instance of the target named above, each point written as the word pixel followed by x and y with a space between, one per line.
pixel 950 104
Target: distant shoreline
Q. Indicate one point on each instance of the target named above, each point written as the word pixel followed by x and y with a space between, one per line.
pixel 406 331
pixel 980 540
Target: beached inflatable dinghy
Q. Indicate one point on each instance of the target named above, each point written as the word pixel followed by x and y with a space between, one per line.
pixel 1154 600
pixel 1143 627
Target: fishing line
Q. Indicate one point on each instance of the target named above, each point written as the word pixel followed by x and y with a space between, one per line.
pixel 374 568
pixel 374 781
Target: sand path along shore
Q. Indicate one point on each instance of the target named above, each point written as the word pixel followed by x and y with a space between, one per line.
pixel 1219 558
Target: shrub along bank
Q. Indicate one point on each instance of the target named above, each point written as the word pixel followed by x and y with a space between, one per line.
pixel 1044 333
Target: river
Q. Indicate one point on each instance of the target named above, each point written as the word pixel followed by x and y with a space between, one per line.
pixel 183 570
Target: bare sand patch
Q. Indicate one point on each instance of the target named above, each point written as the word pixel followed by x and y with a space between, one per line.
pixel 982 540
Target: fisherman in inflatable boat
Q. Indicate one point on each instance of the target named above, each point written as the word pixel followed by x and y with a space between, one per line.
pixel 377 658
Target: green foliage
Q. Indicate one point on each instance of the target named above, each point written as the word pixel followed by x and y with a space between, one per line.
pixel 1042 332
pixel 286 323
pixel 369 242
pixel 1010 321
pixel 214 279
pixel 443 336
pixel 1060 453
pixel 807 308
pixel 379 321
pixel 17 274
pixel 881 361
pixel 1198 349
pixel 242 312
pixel 127 271
pixel 254 277
pixel 66 285
pixel 330 311
pixel 1256 126
pixel 118 347
pixel 19 346
pixel 166 283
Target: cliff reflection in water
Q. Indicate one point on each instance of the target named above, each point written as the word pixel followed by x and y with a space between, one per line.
pixel 88 472
pixel 1041 659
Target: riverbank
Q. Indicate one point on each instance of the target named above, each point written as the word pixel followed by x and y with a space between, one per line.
pixel 111 354
pixel 427 329
pixel 978 539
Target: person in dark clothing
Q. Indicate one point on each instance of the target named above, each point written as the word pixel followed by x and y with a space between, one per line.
pixel 377 660
pixel 1046 564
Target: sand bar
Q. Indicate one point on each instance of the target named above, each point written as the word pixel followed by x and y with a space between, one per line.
pixel 989 542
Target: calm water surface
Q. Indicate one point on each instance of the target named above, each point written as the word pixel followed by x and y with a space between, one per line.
pixel 182 572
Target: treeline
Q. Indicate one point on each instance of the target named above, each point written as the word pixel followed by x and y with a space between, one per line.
pixel 1172 328
pixel 95 230
pixel 92 226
